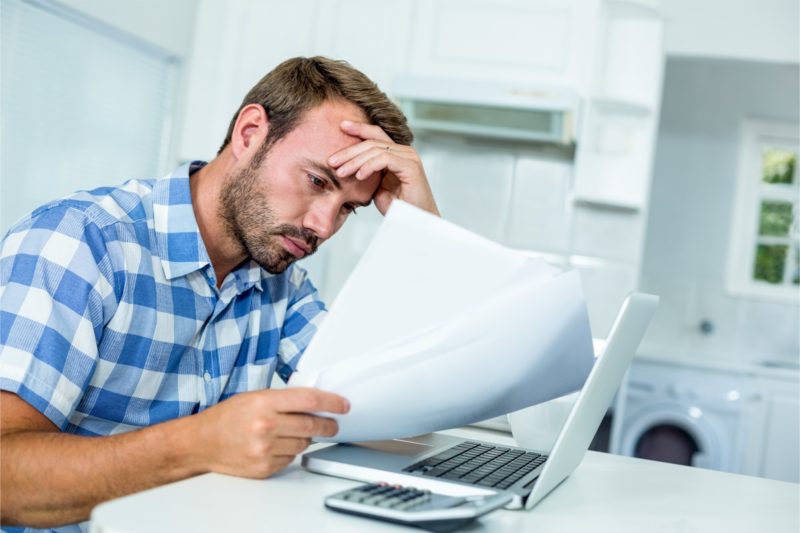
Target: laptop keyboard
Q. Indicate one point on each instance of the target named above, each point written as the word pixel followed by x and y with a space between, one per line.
pixel 479 464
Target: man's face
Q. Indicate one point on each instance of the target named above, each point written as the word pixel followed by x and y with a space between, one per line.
pixel 282 209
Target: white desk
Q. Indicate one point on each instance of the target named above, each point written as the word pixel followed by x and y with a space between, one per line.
pixel 607 493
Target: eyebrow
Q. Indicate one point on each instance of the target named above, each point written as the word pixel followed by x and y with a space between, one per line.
pixel 322 169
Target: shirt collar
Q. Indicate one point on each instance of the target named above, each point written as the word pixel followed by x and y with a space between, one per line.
pixel 180 246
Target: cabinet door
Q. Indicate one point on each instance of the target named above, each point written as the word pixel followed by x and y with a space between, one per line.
pixel 541 41
pixel 781 437
pixel 372 36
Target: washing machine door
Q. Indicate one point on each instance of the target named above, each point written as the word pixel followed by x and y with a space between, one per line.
pixel 672 433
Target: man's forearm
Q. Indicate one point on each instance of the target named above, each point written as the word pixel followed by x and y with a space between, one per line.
pixel 50 479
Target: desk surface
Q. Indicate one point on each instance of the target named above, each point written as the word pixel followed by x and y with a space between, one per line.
pixel 606 493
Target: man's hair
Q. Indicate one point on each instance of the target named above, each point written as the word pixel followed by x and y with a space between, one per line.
pixel 302 83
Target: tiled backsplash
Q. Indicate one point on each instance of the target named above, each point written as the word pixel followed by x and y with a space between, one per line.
pixel 697 320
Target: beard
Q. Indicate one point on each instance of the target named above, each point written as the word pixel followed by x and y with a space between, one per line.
pixel 250 220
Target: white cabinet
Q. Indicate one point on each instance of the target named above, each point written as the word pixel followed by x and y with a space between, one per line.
pixel 372 36
pixel 778 455
pixel 614 159
pixel 537 41
pixel 615 155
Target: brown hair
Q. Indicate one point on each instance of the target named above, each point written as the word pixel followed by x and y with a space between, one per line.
pixel 302 83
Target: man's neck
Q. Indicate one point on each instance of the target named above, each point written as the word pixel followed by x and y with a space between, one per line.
pixel 205 185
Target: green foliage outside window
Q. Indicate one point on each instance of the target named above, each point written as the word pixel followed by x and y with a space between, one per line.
pixel 775 218
pixel 770 261
pixel 796 275
pixel 779 166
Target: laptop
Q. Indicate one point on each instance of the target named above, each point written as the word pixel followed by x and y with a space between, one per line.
pixel 461 467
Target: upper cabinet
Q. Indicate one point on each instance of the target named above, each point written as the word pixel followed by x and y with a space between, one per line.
pixel 522 41
pixel 614 158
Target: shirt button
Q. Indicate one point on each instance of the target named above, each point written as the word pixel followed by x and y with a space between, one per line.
pixel 207 377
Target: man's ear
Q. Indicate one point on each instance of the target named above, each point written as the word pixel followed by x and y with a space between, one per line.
pixel 249 131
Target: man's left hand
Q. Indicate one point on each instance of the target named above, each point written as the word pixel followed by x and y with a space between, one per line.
pixel 403 174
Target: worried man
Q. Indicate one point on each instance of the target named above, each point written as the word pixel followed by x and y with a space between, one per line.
pixel 142 324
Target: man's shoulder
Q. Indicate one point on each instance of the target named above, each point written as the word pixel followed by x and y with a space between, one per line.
pixel 101 207
pixel 128 203
pixel 93 217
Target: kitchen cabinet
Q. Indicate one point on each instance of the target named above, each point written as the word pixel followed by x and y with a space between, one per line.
pixel 614 160
pixel 544 42
pixel 778 437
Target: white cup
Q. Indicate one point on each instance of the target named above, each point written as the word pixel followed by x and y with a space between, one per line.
pixel 537 427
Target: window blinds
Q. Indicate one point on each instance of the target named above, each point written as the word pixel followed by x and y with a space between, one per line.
pixel 83 105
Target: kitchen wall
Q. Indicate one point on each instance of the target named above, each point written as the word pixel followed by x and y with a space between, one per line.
pixel 169 25
pixel 754 30
pixel 692 201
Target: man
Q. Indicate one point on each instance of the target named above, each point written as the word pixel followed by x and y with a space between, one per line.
pixel 141 325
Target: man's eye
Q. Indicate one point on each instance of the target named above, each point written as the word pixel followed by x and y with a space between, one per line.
pixel 316 181
pixel 350 209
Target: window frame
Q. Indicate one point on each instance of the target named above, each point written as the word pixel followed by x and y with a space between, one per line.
pixel 744 237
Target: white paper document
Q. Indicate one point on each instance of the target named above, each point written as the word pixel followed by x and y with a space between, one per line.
pixel 438 327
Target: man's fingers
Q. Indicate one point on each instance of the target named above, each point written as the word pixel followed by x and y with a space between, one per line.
pixel 307 400
pixel 290 446
pixel 358 159
pixel 377 160
pixel 306 426
pixel 344 159
pixel 365 131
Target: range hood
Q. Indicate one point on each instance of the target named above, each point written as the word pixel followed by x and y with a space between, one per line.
pixel 488 109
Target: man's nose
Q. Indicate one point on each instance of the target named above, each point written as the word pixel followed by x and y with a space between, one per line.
pixel 321 219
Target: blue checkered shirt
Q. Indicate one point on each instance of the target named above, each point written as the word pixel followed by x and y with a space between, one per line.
pixel 110 318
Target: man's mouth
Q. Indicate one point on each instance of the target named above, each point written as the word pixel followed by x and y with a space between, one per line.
pixel 295 247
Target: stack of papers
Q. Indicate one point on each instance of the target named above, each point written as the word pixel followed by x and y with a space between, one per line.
pixel 437 327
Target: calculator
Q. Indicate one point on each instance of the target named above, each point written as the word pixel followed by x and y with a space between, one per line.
pixel 414 507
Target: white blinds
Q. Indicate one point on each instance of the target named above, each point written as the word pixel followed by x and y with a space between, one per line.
pixel 83 105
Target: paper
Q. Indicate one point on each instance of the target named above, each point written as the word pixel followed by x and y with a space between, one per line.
pixel 438 327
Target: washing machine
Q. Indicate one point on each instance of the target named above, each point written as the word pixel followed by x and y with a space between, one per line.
pixel 685 415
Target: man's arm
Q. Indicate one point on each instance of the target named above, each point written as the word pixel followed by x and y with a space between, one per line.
pixel 49 478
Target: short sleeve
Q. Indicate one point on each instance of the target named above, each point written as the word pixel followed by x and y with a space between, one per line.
pixel 304 314
pixel 55 276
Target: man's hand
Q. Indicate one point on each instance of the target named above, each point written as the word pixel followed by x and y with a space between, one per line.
pixel 255 434
pixel 400 165
pixel 49 478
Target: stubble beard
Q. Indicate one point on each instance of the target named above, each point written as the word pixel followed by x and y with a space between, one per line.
pixel 250 220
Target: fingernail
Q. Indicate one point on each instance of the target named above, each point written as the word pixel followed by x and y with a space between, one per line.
pixel 346 406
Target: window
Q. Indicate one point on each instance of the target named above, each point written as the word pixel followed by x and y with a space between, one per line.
pixel 83 105
pixel 764 257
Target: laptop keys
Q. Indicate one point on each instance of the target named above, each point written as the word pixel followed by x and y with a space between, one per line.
pixel 478 464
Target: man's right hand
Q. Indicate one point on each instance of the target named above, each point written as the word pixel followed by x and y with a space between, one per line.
pixel 49 478
pixel 255 434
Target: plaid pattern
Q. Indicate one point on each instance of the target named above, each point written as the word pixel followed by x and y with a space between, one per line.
pixel 110 319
